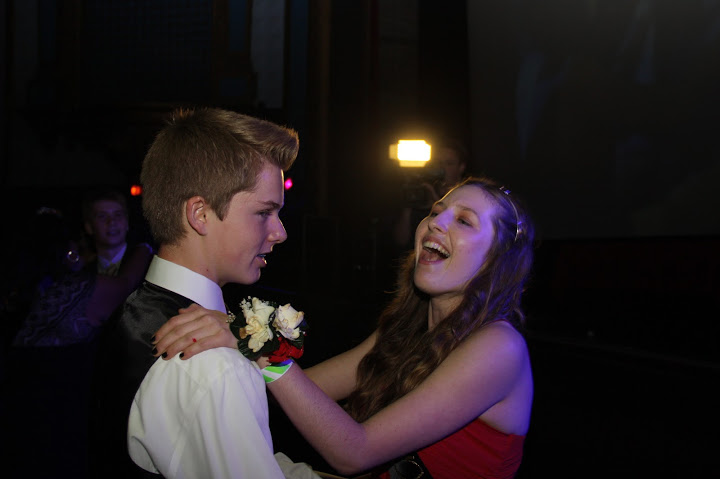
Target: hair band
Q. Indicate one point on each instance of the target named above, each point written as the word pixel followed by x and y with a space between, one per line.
pixel 518 223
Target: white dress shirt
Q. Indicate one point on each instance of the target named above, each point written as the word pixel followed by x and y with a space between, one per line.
pixel 206 417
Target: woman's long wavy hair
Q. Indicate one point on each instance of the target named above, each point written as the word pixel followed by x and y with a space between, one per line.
pixel 406 352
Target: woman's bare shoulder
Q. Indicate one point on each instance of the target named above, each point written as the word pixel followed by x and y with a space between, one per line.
pixel 496 339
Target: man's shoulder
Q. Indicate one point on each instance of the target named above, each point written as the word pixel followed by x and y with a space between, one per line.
pixel 211 365
pixel 151 306
pixel 210 374
pixel 152 295
pixel 126 341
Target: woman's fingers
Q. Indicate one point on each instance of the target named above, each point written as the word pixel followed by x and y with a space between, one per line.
pixel 182 337
pixel 186 315
pixel 194 330
pixel 177 333
pixel 219 339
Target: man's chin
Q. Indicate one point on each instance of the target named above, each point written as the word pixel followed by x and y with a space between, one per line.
pixel 112 242
pixel 248 279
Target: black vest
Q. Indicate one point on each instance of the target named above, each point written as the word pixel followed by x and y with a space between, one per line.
pixel 123 359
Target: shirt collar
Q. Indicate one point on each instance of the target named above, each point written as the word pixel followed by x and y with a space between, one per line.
pixel 104 263
pixel 185 282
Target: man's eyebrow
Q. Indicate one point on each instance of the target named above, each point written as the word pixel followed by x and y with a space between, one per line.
pixel 271 205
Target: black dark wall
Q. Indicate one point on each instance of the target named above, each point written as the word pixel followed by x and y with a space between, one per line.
pixel 620 174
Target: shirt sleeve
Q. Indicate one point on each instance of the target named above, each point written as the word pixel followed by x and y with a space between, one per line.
pixel 205 417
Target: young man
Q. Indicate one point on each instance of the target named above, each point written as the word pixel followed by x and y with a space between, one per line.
pixel 213 188
pixel 105 216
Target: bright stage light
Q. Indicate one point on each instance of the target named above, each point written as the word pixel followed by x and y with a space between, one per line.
pixel 411 153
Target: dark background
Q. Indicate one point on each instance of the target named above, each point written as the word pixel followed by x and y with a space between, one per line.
pixel 603 116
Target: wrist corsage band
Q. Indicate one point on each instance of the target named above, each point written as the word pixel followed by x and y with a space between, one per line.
pixel 266 329
pixel 275 371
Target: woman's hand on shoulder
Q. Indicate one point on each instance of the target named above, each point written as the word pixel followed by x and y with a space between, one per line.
pixel 194 330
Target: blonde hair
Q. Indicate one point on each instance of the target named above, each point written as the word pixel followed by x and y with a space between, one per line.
pixel 211 153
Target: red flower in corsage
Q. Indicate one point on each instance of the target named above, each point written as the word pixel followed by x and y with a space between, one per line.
pixel 266 329
pixel 286 351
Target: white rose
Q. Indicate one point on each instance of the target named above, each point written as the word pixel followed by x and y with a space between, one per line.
pixel 259 310
pixel 254 326
pixel 257 316
pixel 287 320
pixel 259 337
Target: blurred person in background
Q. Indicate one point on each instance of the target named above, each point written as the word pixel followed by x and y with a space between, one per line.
pixel 71 300
pixel 105 218
pixel 49 363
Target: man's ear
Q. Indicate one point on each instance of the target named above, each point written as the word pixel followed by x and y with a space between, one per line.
pixel 196 212
pixel 88 228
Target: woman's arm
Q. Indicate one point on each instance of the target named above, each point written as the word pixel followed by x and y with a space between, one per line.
pixel 481 373
pixel 480 377
pixel 335 376
pixel 111 291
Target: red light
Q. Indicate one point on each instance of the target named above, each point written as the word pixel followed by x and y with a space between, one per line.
pixel 288 183
pixel 135 190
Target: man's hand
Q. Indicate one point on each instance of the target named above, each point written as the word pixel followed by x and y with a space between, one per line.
pixel 192 331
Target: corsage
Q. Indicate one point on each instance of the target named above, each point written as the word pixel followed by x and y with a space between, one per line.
pixel 266 329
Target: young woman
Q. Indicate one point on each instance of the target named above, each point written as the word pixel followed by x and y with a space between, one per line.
pixel 446 376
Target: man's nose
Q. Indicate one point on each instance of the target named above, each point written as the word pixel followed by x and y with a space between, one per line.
pixel 278 233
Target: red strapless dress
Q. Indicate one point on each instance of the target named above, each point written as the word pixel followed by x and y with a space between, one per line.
pixel 475 451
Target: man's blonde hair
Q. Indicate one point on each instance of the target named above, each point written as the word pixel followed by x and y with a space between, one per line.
pixel 211 153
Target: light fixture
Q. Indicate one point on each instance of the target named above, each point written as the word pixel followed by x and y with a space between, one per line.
pixel 411 153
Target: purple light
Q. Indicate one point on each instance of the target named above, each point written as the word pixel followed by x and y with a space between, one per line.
pixel 288 183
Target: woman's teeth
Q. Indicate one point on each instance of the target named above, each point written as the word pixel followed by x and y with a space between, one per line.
pixel 436 248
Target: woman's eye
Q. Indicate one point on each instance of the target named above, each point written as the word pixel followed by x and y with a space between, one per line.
pixel 464 222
